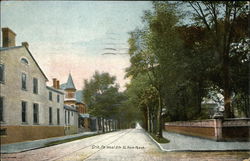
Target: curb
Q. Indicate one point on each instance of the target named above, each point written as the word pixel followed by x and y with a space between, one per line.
pixel 158 144
pixel 7 148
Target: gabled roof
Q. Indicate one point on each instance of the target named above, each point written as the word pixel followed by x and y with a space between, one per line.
pixel 55 90
pixel 15 47
pixel 69 84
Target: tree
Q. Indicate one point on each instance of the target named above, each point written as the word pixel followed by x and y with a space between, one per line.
pixel 219 19
pixel 102 96
pixel 143 96
pixel 152 49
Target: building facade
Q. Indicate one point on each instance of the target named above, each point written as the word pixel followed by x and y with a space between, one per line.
pixel 29 109
pixel 84 117
pixel 73 101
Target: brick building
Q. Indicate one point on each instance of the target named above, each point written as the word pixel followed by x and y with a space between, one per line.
pixel 74 99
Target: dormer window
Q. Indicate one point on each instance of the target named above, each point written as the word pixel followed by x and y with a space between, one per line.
pixel 24 61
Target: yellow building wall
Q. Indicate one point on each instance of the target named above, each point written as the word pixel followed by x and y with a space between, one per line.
pixel 28 133
pixel 69 130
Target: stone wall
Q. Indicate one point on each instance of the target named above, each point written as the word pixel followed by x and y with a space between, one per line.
pixel 216 129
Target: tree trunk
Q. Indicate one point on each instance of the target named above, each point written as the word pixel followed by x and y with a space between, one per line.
pixel 159 122
pixel 247 106
pixel 105 122
pixel 226 81
pixel 145 119
pixel 109 125
pixel 199 99
pixel 103 130
pixel 152 123
pixel 97 125
pixel 148 121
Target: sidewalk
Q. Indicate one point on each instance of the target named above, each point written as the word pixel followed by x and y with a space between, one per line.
pixel 29 145
pixel 180 142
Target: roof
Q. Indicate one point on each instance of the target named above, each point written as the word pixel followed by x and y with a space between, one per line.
pixel 63 86
pixel 8 48
pixel 15 47
pixel 79 96
pixel 86 115
pixel 69 84
pixel 55 90
pixel 67 107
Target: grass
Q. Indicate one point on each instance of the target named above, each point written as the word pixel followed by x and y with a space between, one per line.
pixel 72 139
pixel 68 140
pixel 159 140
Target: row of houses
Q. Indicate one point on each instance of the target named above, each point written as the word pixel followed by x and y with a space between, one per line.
pixel 29 109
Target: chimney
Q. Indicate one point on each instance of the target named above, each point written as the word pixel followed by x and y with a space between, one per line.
pixel 25 44
pixel 8 37
pixel 54 82
pixel 58 84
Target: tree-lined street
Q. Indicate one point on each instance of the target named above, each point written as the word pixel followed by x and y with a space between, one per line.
pixel 130 144
pixel 186 69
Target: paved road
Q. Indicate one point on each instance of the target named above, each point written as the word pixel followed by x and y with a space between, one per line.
pixel 128 145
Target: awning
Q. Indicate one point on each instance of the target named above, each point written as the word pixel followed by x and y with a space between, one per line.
pixel 86 115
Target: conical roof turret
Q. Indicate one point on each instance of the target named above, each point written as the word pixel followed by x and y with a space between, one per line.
pixel 70 83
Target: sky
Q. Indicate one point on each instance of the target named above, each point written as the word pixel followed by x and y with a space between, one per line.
pixel 71 37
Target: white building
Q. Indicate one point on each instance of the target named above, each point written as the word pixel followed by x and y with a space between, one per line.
pixel 29 109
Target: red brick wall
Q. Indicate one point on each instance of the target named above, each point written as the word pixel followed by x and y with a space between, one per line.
pixel 205 132
pixel 233 129
pixel 236 133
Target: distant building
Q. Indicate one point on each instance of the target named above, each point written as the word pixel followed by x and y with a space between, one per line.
pixel 74 99
pixel 84 117
pixel 29 109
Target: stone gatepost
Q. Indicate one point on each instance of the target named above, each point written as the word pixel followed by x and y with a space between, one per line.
pixel 218 128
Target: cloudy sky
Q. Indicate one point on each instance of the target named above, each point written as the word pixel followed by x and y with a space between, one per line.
pixel 72 36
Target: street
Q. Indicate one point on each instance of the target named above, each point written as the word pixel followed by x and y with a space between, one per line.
pixel 130 144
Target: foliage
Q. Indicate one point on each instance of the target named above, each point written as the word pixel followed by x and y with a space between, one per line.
pixel 102 96
pixel 159 140
pixel 225 23
pixel 174 66
pixel 104 100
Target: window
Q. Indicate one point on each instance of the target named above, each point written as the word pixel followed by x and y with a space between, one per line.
pixel 35 85
pixel 25 61
pixel 24 81
pixel 35 113
pixel 58 116
pixel 1 73
pixel 24 111
pixel 1 109
pixel 50 96
pixel 3 132
pixel 70 95
pixel 68 117
pixel 58 98
pixel 50 115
